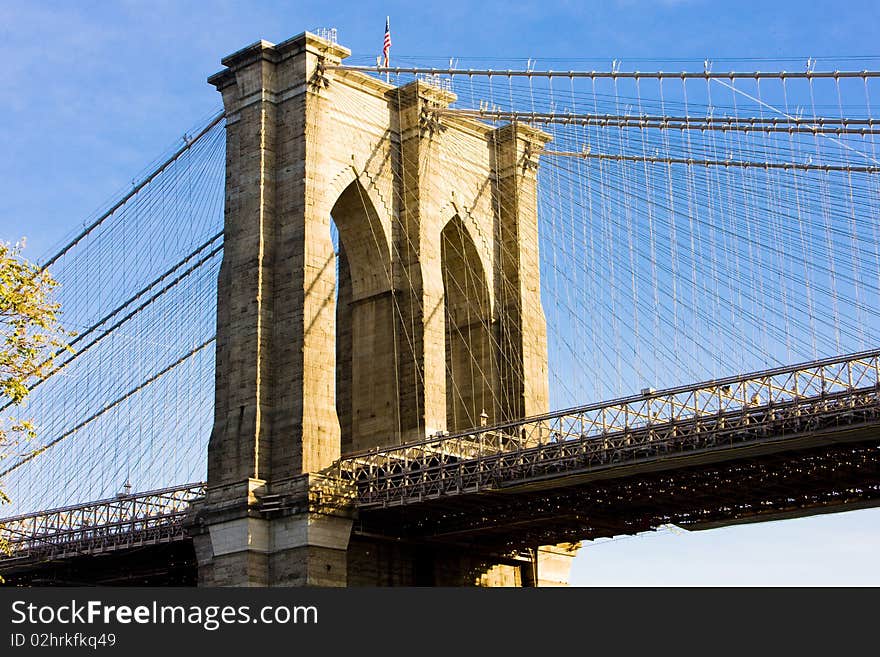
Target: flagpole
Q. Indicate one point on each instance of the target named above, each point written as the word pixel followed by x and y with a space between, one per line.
pixel 388 58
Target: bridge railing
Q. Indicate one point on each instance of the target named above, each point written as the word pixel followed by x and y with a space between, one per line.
pixel 712 413
pixel 775 403
pixel 152 516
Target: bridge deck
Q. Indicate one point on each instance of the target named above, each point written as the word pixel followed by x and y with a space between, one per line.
pixel 627 501
pixel 793 440
pixel 776 410
pixel 117 523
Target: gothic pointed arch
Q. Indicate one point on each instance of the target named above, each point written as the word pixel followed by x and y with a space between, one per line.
pixel 471 367
pixel 366 392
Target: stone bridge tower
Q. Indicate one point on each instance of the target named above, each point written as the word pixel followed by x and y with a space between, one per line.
pixel 380 283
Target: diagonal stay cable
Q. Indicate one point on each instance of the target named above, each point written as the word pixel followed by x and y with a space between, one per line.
pixel 143 183
pixel 171 284
pixel 108 407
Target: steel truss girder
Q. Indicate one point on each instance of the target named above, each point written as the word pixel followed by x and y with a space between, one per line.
pixel 781 485
pixel 765 408
pixel 116 523
pixel 778 410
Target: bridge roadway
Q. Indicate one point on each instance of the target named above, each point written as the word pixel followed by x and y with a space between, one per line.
pixel 786 442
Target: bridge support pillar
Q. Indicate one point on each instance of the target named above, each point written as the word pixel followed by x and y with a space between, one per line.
pixel 522 326
pixel 294 533
pixel 275 416
pixel 378 562
pixel 428 318
pixel 554 564
pixel 231 540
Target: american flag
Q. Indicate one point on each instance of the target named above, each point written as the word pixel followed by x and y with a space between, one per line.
pixel 386 47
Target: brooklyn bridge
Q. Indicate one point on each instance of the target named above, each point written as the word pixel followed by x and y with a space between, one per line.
pixel 351 329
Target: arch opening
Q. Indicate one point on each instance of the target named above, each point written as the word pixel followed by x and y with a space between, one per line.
pixel 471 362
pixel 366 379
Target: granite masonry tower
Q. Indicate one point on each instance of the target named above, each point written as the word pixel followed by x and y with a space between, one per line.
pixel 379 284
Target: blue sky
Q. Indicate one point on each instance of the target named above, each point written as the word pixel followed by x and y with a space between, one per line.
pixel 93 91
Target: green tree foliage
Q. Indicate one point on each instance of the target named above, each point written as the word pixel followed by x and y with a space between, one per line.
pixel 30 339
